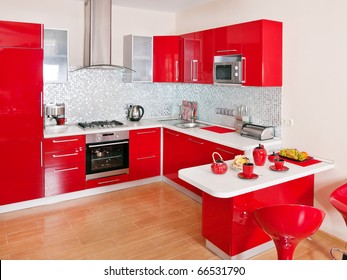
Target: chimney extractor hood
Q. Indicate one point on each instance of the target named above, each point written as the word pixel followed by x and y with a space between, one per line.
pixel 98 35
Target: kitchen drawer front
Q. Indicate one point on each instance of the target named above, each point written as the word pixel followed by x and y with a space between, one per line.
pixel 227 153
pixel 144 166
pixel 143 141
pixel 64 179
pixel 58 144
pixel 111 180
pixel 76 155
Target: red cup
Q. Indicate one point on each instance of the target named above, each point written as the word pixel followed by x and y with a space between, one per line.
pixel 279 163
pixel 247 169
pixel 61 121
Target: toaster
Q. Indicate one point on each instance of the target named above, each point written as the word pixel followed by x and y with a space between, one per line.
pixel 258 132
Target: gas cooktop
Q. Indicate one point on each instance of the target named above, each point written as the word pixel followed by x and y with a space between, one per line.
pixel 99 124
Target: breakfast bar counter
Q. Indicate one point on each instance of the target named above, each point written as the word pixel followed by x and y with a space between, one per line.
pixel 228 202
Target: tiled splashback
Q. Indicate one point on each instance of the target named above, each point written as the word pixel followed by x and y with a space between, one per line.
pixel 100 95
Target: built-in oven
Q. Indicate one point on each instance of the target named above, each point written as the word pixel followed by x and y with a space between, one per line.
pixel 107 154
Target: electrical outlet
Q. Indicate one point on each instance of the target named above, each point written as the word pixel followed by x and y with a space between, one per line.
pixel 288 122
pixel 224 111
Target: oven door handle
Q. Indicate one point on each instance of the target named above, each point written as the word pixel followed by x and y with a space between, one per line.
pixel 108 144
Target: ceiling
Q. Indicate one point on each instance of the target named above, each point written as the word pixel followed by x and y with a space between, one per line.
pixel 172 6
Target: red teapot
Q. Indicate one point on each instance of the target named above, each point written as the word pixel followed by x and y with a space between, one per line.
pixel 218 166
pixel 259 155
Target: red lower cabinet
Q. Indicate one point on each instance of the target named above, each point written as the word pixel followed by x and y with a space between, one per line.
pixel 183 151
pixel 144 150
pixel 64 164
pixel 105 181
pixel 228 223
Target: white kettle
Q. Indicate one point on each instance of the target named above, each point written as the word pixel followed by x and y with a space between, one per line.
pixel 135 113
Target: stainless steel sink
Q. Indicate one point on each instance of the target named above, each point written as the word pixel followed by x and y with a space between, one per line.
pixel 189 125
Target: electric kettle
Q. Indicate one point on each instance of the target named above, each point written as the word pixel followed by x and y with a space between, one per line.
pixel 135 113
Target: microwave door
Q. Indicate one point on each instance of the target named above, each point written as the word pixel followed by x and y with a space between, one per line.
pixel 223 73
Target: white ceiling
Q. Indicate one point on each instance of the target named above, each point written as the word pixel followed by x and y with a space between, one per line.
pixel 172 6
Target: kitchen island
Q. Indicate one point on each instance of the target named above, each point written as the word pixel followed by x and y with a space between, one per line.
pixel 228 203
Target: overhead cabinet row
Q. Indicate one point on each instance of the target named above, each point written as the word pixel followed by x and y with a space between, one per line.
pixel 191 57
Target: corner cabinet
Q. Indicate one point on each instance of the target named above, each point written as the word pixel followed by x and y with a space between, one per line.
pixel 138 56
pixel 65 164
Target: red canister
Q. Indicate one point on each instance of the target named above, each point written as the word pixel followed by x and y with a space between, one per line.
pixel 259 155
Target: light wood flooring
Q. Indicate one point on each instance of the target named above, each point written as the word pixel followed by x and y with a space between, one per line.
pixel 149 222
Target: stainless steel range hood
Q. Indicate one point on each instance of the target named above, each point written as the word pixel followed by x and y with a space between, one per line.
pixel 98 35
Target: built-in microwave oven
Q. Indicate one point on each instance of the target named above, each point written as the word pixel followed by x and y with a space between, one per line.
pixel 227 69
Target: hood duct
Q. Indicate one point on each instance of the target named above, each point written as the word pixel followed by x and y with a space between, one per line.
pixel 98 35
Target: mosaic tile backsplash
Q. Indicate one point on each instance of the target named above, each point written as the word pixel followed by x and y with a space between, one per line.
pixel 94 94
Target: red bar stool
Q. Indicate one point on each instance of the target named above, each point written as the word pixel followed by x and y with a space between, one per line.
pixel 288 224
pixel 338 198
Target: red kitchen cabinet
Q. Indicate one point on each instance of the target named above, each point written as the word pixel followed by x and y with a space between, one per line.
pixel 110 180
pixel 183 151
pixel 144 150
pixel 197 55
pixel 167 64
pixel 228 40
pixel 262 53
pixel 65 164
pixel 21 114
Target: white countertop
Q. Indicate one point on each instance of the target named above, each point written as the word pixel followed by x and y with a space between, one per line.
pixel 230 185
pixel 232 139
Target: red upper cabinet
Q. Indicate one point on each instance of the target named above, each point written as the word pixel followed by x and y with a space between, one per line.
pixel 21 87
pixel 198 50
pixel 262 53
pixel 19 34
pixel 228 40
pixel 167 65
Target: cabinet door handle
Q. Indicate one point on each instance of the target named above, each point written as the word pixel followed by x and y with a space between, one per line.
pixel 174 134
pixel 244 69
pixel 197 142
pixel 194 70
pixel 225 151
pixel 109 181
pixel 65 169
pixel 223 51
pixel 177 71
pixel 142 158
pixel 65 155
pixel 146 132
pixel 66 140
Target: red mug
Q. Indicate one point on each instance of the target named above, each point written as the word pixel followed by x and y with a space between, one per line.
pixel 61 121
pixel 247 169
pixel 279 163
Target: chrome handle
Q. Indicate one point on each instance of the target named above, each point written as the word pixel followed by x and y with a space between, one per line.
pixel 109 181
pixel 66 169
pixel 109 144
pixel 243 69
pixel 177 71
pixel 65 155
pixel 66 140
pixel 195 73
pixel 174 134
pixel 146 132
pixel 223 51
pixel 197 142
pixel 225 151
pixel 142 158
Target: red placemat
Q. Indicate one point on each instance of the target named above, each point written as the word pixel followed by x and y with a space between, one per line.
pixel 304 163
pixel 218 129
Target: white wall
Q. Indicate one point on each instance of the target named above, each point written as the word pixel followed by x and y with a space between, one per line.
pixel 314 78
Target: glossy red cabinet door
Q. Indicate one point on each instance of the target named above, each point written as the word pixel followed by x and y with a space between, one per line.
pixel 21 117
pixel 262 51
pixel 20 34
pixel 228 40
pixel 167 64
pixel 144 150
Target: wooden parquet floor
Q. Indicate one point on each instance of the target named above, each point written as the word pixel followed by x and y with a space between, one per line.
pixel 149 222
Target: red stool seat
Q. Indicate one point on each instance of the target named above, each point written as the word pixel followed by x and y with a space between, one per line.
pixel 338 198
pixel 288 224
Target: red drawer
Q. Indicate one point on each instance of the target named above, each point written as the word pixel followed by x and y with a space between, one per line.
pixel 64 157
pixel 107 181
pixel 144 141
pixel 59 144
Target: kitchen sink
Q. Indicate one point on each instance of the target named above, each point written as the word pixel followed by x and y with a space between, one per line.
pixel 189 125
